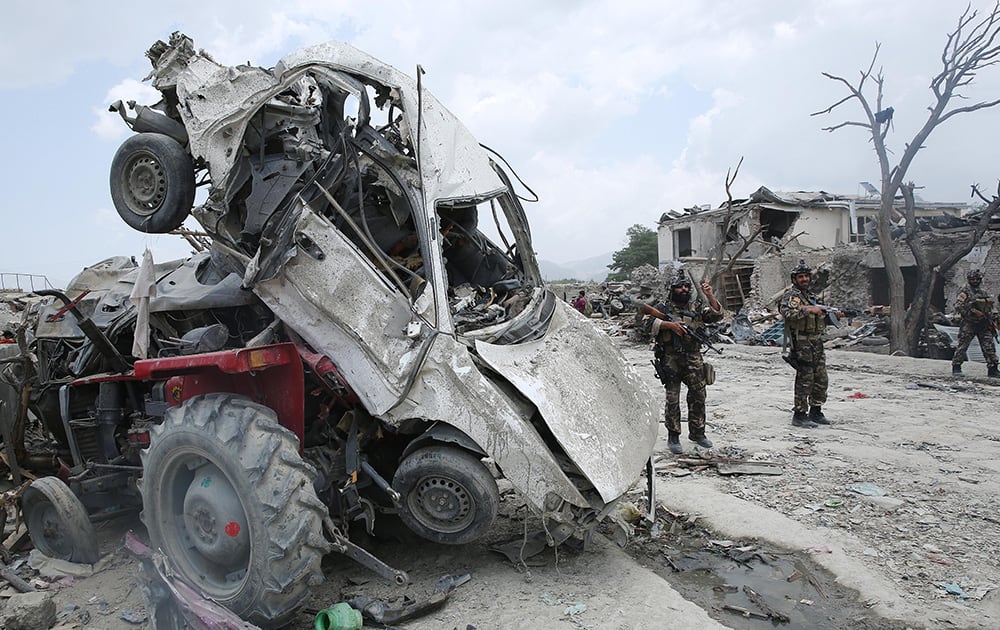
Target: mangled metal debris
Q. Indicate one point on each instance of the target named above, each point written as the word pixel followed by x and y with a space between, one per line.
pixel 368 325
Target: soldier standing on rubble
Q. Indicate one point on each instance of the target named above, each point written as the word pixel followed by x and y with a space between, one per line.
pixel 804 324
pixel 979 319
pixel 678 356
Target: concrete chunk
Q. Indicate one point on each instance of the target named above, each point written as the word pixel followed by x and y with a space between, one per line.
pixel 29 611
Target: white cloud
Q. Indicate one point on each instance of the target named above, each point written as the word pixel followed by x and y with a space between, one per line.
pixel 784 30
pixel 550 84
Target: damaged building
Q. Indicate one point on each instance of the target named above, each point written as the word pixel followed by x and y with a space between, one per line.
pixel 834 232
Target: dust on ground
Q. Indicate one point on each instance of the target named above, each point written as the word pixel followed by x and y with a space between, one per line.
pixel 920 554
pixel 923 550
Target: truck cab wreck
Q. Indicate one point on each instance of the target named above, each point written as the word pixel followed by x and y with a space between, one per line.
pixel 366 328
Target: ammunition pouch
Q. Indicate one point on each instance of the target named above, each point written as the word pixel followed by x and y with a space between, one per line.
pixel 709 371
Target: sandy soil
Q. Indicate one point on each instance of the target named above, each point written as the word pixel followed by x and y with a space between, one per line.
pixel 902 424
pixel 905 425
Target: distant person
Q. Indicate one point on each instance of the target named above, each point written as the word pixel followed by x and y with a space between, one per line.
pixel 804 324
pixel 979 320
pixel 678 357
pixel 580 303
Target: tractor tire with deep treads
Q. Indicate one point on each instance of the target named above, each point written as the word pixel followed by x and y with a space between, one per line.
pixel 229 501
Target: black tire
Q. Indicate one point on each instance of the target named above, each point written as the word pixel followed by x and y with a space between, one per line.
pixel 448 494
pixel 229 501
pixel 152 182
pixel 58 523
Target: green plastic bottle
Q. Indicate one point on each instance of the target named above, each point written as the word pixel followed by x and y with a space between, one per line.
pixel 340 616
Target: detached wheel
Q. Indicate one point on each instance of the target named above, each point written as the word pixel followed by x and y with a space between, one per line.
pixel 229 501
pixel 448 495
pixel 152 182
pixel 57 522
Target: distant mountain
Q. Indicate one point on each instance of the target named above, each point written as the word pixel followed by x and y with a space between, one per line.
pixel 593 268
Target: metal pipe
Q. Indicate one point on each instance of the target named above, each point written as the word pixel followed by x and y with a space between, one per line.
pixel 70 436
pixel 90 329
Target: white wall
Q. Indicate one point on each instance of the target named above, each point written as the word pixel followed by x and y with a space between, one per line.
pixel 664 244
pixel 821 228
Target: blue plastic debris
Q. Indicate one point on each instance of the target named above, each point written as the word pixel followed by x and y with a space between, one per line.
pixel 954 589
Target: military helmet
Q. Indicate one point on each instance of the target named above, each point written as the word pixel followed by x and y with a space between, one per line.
pixel 974 274
pixel 802 267
pixel 680 280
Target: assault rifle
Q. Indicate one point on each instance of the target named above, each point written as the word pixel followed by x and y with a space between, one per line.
pixel 698 334
pixel 833 317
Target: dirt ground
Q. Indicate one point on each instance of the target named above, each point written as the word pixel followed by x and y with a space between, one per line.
pixel 920 554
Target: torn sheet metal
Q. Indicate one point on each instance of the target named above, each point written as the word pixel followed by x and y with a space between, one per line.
pixel 595 404
pixel 453 165
pixel 452 389
pixel 172 603
pixel 333 297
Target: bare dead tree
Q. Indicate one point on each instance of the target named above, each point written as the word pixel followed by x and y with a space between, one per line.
pixel 970 48
pixel 719 263
pixel 731 215
pixel 929 270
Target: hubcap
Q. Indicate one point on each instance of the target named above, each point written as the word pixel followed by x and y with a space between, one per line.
pixel 441 504
pixel 214 519
pixel 147 184
pixel 204 524
pixel 53 531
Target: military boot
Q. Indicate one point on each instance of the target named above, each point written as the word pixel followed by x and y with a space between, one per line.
pixel 800 419
pixel 701 440
pixel 674 443
pixel 956 369
pixel 816 415
pixel 992 370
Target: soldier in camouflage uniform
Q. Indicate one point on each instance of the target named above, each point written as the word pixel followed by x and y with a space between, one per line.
pixel 678 357
pixel 979 319
pixel 804 324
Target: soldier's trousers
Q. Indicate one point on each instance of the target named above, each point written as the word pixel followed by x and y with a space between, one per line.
pixel 966 333
pixel 686 367
pixel 811 380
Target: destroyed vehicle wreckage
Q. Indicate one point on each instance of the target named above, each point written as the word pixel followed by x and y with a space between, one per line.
pixel 351 345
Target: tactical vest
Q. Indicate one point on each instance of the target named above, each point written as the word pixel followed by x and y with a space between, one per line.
pixel 808 325
pixel 685 343
pixel 978 299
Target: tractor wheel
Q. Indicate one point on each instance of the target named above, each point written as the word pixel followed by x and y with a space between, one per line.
pixel 448 494
pixel 152 183
pixel 229 501
pixel 57 522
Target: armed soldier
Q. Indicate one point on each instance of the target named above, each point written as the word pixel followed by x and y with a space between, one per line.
pixel 805 322
pixel 979 320
pixel 675 326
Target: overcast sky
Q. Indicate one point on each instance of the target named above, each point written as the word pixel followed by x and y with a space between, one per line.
pixel 613 111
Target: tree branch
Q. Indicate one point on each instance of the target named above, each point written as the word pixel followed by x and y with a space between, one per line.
pixel 715 259
pixel 831 108
pixel 849 123
pixel 970 108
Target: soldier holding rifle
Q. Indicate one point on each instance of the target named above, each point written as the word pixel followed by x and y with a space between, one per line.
pixel 979 320
pixel 805 321
pixel 678 328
